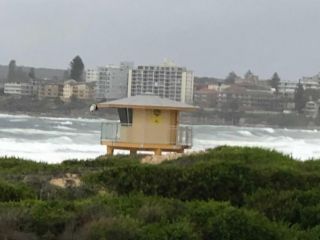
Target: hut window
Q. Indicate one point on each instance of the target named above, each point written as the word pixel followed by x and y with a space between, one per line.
pixel 125 115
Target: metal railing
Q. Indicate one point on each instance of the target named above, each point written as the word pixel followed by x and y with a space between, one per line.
pixel 175 135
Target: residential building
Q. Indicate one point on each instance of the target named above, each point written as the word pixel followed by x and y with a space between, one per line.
pixel 315 78
pixel 167 81
pixel 311 82
pixel 68 89
pixel 248 99
pixel 287 89
pixel 84 91
pixel 18 89
pixel 311 109
pixel 92 75
pixel 72 88
pixel 112 81
pixel 50 90
pixel 205 98
pixel 249 78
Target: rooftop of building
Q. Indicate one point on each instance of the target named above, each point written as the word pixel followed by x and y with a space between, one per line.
pixel 147 102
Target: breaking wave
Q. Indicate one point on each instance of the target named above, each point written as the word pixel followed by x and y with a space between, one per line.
pixel 53 140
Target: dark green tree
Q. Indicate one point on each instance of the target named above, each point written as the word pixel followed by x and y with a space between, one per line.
pixel 66 75
pixel 248 74
pixel 32 73
pixel 11 71
pixel 299 99
pixel 77 68
pixel 275 81
pixel 231 78
pixel 21 75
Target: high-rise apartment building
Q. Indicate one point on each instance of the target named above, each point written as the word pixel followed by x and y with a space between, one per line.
pixel 92 75
pixel 167 81
pixel 112 80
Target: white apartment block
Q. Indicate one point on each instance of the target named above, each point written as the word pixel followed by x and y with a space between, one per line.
pixel 112 82
pixel 92 75
pixel 311 82
pixel 166 80
pixel 287 88
pixel 19 89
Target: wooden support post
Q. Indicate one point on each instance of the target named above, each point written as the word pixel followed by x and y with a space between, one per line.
pixel 157 152
pixel 109 150
pixel 133 151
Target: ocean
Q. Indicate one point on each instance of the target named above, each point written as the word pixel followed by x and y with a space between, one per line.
pixel 53 140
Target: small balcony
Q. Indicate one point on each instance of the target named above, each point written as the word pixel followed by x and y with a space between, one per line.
pixel 174 136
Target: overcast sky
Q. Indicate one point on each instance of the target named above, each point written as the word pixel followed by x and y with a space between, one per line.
pixel 211 37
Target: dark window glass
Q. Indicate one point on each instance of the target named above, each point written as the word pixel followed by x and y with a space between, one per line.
pixel 125 115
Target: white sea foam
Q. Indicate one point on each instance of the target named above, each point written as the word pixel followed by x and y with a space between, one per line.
pixel 268 130
pixel 298 148
pixel 49 151
pixel 32 141
pixel 66 123
pixel 66 119
pixel 64 128
pixel 18 120
pixel 245 133
pixel 2 115
pixel 32 131
pixel 74 119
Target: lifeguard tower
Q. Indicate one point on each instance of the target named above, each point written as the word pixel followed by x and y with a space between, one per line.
pixel 147 123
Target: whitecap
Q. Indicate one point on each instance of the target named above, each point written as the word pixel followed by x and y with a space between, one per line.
pixel 245 133
pixel 64 128
pixel 18 120
pixel 66 123
pixel 14 116
pixel 268 130
pixel 32 131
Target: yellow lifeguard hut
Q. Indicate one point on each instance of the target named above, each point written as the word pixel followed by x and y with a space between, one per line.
pixel 147 123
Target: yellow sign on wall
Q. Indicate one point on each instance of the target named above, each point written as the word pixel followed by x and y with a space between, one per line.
pixel 156 116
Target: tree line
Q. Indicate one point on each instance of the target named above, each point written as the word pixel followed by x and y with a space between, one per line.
pixel 17 74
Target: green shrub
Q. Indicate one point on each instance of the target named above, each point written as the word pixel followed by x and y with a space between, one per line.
pixel 263 195
pixel 50 217
pixel 14 192
pixel 225 181
pixel 220 221
pixel 113 228
pixel 182 230
pixel 294 206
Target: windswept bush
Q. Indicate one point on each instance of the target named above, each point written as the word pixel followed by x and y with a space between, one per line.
pixel 225 181
pixel 113 228
pixel 223 193
pixel 220 221
pixel 294 207
pixel 14 192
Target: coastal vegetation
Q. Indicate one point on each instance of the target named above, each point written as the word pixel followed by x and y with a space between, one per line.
pixel 222 193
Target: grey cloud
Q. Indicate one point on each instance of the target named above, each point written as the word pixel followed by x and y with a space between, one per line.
pixel 210 37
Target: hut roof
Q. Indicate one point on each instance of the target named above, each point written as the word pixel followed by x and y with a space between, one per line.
pixel 147 102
